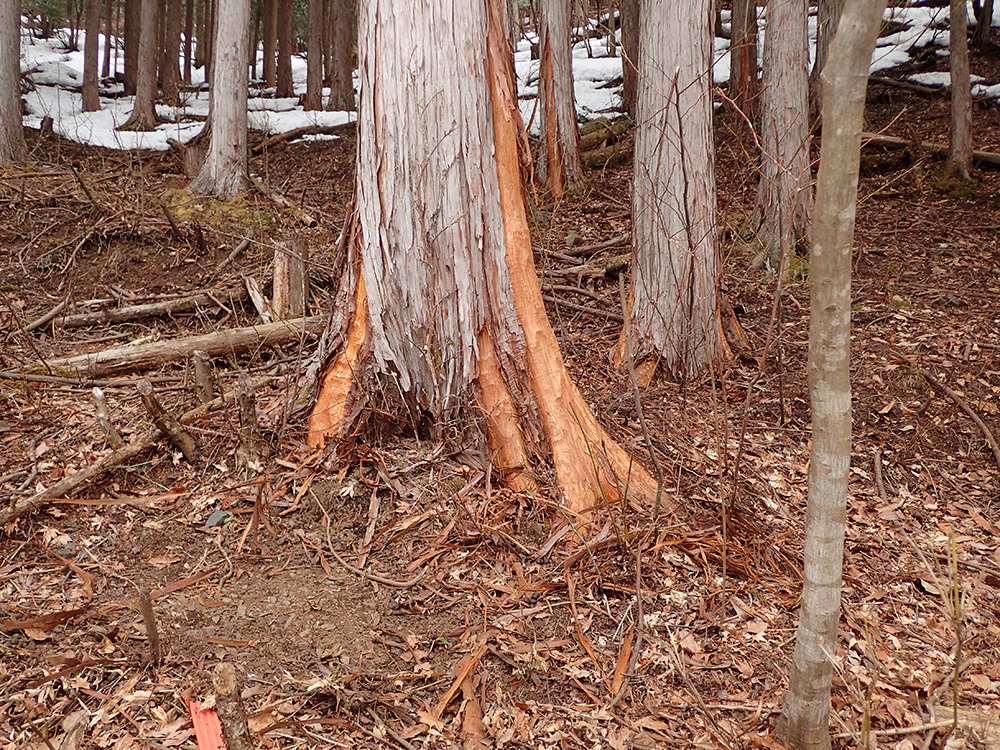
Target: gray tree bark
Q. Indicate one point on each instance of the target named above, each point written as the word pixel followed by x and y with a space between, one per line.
pixel 143 115
pixel 785 191
pixel 960 153
pixel 805 715
pixel 13 149
pixel 559 164
pixel 313 99
pixel 675 307
pixel 224 173
pixel 92 26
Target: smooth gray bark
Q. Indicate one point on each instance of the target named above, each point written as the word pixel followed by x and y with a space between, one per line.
pixel 12 146
pixel 805 716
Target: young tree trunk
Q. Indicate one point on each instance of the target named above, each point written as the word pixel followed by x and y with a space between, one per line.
pixel 827 17
pixel 675 307
pixel 630 53
pixel 270 34
pixel 285 20
pixel 224 173
pixel 202 34
pixel 133 28
pixel 512 21
pixel 744 75
pixel 13 149
pixel 313 98
pixel 170 73
pixel 455 320
pixel 211 35
pixel 984 24
pixel 342 81
pixel 785 191
pixel 960 154
pixel 188 33
pixel 108 43
pixel 92 29
pixel 327 42
pixel 559 164
pixel 258 10
pixel 805 715
pixel 143 115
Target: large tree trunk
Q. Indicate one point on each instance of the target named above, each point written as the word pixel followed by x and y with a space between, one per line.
pixel 313 99
pixel 170 72
pixel 143 115
pixel 270 34
pixel 224 173
pixel 91 97
pixel 827 17
pixel 675 308
pixel 132 32
pixel 805 715
pixel 960 155
pixel 744 75
pixel 342 42
pixel 630 53
pixel 785 191
pixel 441 297
pixel 559 164
pixel 12 146
pixel 285 31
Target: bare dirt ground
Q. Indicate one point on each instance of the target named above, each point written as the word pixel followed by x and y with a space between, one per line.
pixel 404 600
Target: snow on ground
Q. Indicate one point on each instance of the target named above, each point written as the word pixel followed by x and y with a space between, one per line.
pixel 57 76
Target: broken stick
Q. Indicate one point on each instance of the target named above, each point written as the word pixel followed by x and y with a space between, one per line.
pixel 169 426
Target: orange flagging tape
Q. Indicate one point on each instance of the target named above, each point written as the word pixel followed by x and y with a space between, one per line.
pixel 207 728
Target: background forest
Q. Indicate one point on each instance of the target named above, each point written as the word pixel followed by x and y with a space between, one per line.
pixel 501 374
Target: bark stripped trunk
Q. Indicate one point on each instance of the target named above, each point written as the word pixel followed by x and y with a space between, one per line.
pixel 224 173
pixel 785 192
pixel 313 99
pixel 342 80
pixel 805 714
pixel 285 20
pixel 960 154
pixel 13 149
pixel 91 97
pixel 827 17
pixel 559 164
pixel 270 37
pixel 630 53
pixel 674 311
pixel 441 288
pixel 143 115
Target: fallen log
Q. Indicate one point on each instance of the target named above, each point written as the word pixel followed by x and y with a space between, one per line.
pixel 146 356
pixel 937 149
pixel 291 135
pixel 608 156
pixel 153 309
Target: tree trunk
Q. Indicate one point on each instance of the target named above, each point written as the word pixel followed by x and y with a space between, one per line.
pixel 559 164
pixel 512 21
pixel 108 18
pixel 286 18
pixel 327 42
pixel 828 14
pixel 211 35
pixel 959 163
pixel 270 34
pixel 188 33
pixel 13 149
pixel 224 173
pixel 133 13
pixel 313 99
pixel 203 32
pixel 91 97
pixel 984 24
pixel 455 320
pixel 805 715
pixel 258 10
pixel 630 53
pixel 675 308
pixel 170 73
pixel 342 83
pixel 785 191
pixel 744 78
pixel 143 115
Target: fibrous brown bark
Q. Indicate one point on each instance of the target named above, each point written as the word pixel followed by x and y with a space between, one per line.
pixel 109 15
pixel 441 292
pixel 91 98
pixel 270 37
pixel 630 53
pixel 984 24
pixel 342 43
pixel 133 26
pixel 285 19
pixel 313 98
pixel 960 154
pixel 744 75
pixel 675 308
pixel 805 715
pixel 12 145
pixel 559 163
pixel 170 73
pixel 188 34
pixel 143 115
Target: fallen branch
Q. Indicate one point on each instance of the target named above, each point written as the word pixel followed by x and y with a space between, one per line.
pixel 918 88
pixel 580 250
pixel 145 356
pixel 153 309
pixel 291 135
pixel 937 149
pixel 35 325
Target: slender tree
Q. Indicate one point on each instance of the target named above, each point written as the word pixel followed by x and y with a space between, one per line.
pixel 224 173
pixel 960 152
pixel 270 36
pixel 744 74
pixel 342 42
pixel 675 308
pixel 188 35
pixel 286 16
pixel 630 53
pixel 132 31
pixel 441 296
pixel 785 190
pixel 12 146
pixel 559 164
pixel 143 115
pixel 827 17
pixel 804 723
pixel 170 72
pixel 92 32
pixel 984 24
pixel 313 98
pixel 108 44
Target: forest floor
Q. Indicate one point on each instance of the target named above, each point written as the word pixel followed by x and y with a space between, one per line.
pixel 478 620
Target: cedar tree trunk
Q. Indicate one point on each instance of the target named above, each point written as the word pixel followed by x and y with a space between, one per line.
pixel 224 173
pixel 132 31
pixel 170 73
pixel 342 80
pixel 744 74
pixel 286 18
pixel 441 298
pixel 143 115
pixel 960 152
pixel 805 715
pixel 630 54
pixel 675 306
pixel 559 164
pixel 313 99
pixel 785 191
pixel 91 43
pixel 270 35
pixel 827 17
pixel 13 149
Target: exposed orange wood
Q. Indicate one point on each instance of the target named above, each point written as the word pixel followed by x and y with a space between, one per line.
pixel 328 414
pixel 553 165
